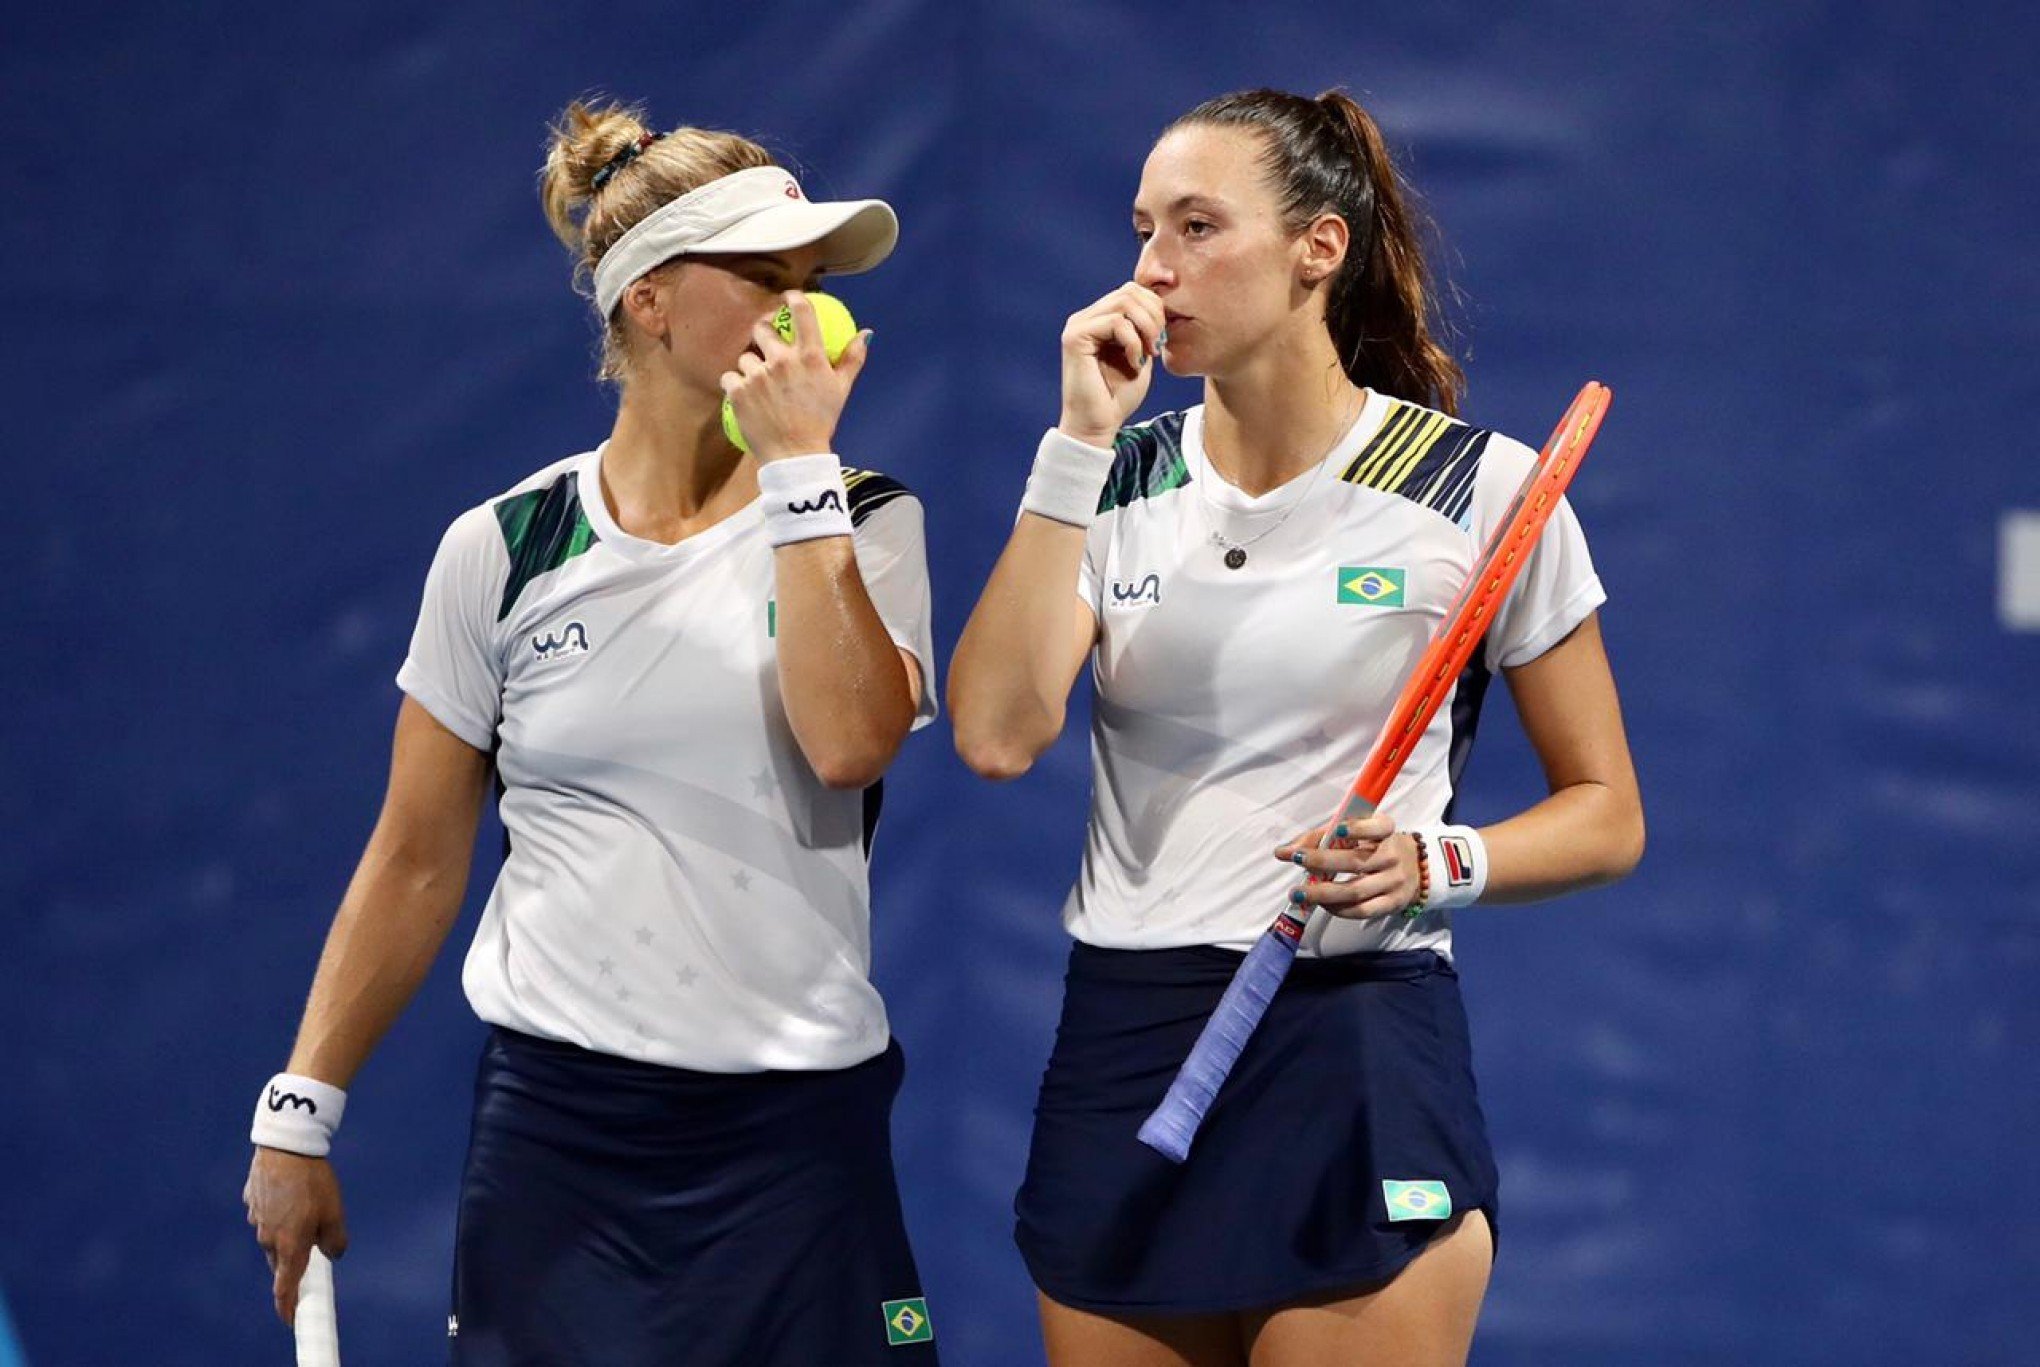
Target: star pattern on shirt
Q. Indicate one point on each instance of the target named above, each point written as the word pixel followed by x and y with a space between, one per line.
pixel 623 994
pixel 741 879
pixel 685 975
pixel 644 935
pixel 605 966
pixel 763 784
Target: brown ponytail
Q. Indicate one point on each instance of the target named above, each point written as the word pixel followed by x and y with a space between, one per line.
pixel 605 170
pixel 1327 156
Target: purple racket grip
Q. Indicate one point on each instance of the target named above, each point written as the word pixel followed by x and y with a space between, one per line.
pixel 1174 1124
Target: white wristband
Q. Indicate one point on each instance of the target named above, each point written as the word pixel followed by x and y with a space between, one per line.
pixel 803 498
pixel 1067 481
pixel 298 1114
pixel 1458 864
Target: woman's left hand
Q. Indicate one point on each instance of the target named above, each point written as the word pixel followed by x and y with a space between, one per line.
pixel 1375 863
pixel 786 395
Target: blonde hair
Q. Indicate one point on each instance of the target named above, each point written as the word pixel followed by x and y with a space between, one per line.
pixel 587 142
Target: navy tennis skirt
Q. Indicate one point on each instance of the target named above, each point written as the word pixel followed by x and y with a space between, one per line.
pixel 1348 1131
pixel 634 1215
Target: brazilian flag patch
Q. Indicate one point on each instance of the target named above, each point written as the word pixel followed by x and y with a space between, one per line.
pixel 1416 1201
pixel 1373 586
pixel 907 1322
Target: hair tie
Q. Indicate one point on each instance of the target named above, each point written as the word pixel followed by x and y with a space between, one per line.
pixel 630 153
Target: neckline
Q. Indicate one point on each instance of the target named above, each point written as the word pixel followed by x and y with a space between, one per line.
pixel 1222 493
pixel 588 483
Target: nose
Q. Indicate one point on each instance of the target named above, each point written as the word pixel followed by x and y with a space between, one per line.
pixel 1150 270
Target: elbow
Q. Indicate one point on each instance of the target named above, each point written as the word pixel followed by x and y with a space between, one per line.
pixel 851 769
pixel 1625 850
pixel 993 758
pixel 996 749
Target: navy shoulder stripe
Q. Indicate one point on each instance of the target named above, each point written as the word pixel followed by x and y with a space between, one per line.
pixel 1148 461
pixel 869 491
pixel 542 529
pixel 1426 457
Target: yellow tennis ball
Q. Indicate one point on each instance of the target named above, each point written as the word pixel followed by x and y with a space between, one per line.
pixel 838 328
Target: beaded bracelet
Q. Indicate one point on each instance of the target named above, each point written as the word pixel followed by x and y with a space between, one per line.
pixel 1416 908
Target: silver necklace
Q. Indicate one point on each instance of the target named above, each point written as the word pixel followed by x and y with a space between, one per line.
pixel 1236 551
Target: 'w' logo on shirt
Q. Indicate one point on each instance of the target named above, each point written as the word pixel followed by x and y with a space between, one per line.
pixel 1148 590
pixel 572 639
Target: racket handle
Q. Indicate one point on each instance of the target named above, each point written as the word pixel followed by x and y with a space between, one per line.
pixel 317 1324
pixel 1174 1124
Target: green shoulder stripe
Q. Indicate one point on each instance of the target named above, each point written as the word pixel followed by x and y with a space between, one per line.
pixel 542 529
pixel 1149 461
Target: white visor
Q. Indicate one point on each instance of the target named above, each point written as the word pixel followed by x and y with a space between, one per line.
pixel 760 209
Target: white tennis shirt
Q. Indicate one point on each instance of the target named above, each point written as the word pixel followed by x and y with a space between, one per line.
pixel 679 886
pixel 1235 706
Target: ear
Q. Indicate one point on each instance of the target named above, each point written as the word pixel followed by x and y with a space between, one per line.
pixel 645 305
pixel 1322 248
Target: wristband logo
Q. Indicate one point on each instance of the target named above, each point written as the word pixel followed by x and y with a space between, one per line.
pixel 1458 860
pixel 571 639
pixel 278 1100
pixel 1128 593
pixel 829 499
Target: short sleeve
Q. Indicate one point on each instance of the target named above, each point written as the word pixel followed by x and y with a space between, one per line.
pixel 453 670
pixel 1090 572
pixel 892 559
pixel 1558 589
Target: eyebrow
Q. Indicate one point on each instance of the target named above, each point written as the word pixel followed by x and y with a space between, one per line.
pixel 1184 202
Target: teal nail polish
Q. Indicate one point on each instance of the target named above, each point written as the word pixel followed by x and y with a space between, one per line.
pixel 1297 859
pixel 1341 831
pixel 1296 897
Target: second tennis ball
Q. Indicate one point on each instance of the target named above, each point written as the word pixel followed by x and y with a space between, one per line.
pixel 838 328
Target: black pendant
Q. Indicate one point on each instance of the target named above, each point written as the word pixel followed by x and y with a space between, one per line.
pixel 1235 558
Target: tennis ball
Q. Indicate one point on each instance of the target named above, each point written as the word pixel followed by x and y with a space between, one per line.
pixel 838 328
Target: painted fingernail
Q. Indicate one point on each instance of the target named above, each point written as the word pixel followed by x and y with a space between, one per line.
pixel 1341 831
pixel 1297 859
pixel 1296 897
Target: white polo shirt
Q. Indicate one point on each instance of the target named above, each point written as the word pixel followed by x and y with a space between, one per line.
pixel 1235 706
pixel 679 886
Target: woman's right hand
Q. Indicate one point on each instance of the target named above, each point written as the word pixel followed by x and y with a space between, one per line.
pixel 294 1203
pixel 1108 352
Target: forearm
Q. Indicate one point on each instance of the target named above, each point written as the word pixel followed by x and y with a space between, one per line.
pixel 395 916
pixel 1010 677
pixel 845 688
pixel 1581 836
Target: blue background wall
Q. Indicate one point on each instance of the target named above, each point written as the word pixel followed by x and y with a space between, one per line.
pixel 281 303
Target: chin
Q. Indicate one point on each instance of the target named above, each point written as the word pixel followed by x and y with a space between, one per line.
pixel 1181 362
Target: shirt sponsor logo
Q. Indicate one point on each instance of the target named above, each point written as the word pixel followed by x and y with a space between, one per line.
pixel 1374 586
pixel 906 1321
pixel 1128 593
pixel 572 639
pixel 1416 1200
